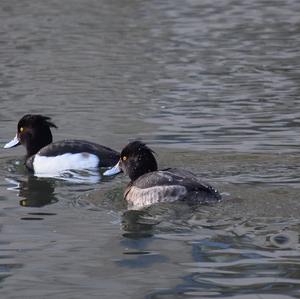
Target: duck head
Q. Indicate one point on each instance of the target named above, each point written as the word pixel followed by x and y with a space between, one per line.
pixel 135 160
pixel 33 132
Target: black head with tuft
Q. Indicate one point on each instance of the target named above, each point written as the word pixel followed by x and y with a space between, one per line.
pixel 34 132
pixel 137 159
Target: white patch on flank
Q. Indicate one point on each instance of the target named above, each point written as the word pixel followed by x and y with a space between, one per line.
pixel 59 164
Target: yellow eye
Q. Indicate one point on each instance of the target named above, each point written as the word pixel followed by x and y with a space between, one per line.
pixel 124 158
pixel 21 129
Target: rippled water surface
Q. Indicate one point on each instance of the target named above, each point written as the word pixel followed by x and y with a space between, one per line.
pixel 213 87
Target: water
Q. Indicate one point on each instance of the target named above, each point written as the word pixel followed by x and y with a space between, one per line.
pixel 213 87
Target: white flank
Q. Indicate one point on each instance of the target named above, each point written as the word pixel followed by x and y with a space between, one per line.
pixel 59 164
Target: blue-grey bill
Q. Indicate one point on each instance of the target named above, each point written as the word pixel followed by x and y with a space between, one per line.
pixel 116 169
pixel 12 143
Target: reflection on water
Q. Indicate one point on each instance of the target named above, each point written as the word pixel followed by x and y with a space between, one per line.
pixel 213 86
pixel 136 226
pixel 246 245
pixel 228 256
pixel 40 191
pixel 87 176
pixel 34 192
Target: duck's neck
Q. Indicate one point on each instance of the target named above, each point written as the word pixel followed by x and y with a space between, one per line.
pixel 34 143
pixel 149 164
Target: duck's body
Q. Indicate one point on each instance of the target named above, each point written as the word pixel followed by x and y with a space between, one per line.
pixel 149 185
pixel 168 185
pixel 71 154
pixel 45 157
